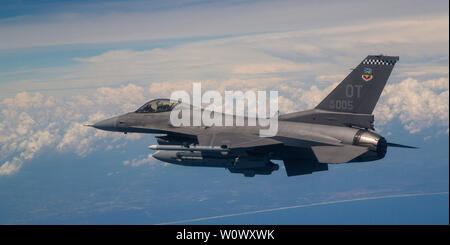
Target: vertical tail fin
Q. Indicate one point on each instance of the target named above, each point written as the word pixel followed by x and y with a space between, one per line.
pixel 360 90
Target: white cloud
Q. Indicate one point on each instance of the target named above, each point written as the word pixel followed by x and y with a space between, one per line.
pixel 423 70
pixel 32 123
pixel 135 162
pixel 281 66
pixel 418 104
pixel 330 78
pixel 277 55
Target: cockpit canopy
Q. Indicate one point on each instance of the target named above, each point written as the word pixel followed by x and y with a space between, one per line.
pixel 158 105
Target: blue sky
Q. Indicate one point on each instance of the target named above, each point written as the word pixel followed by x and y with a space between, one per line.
pixel 64 64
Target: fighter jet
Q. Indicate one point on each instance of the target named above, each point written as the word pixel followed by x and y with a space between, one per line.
pixel 340 129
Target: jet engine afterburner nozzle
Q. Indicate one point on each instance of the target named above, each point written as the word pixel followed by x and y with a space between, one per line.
pixel 371 140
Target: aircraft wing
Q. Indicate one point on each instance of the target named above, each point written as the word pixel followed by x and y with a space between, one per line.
pixel 236 141
pixel 245 140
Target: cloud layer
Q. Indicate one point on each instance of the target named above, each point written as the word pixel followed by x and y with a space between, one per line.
pixel 251 46
pixel 103 23
pixel 32 123
pixel 255 60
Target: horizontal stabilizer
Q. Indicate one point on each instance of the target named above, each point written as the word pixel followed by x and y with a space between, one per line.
pixel 300 167
pixel 338 154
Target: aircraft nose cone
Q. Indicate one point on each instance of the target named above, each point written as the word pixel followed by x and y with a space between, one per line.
pixel 107 124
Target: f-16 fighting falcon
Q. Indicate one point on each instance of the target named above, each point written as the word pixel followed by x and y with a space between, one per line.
pixel 338 130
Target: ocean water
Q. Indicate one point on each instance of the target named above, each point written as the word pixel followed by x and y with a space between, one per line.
pixel 415 210
pixel 412 210
pixel 100 189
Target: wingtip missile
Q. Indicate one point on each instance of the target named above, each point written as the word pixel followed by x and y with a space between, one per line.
pixel 188 148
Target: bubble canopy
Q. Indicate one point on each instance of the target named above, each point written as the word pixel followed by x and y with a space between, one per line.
pixel 158 105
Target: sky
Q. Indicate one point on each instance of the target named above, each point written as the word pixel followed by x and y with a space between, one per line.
pixel 64 64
